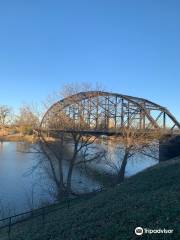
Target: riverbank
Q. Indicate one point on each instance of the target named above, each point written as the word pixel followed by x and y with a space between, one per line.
pixel 18 138
pixel 149 199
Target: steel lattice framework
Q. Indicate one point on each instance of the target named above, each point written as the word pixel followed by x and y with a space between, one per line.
pixel 105 112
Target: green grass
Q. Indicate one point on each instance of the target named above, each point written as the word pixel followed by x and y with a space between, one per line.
pixel 150 199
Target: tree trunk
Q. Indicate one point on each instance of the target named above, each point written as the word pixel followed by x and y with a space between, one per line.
pixel 69 179
pixel 76 139
pixel 70 171
pixel 121 173
pixel 61 191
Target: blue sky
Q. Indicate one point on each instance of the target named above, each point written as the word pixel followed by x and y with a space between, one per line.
pixel 130 46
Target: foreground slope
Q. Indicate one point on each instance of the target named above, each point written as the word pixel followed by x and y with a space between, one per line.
pixel 150 199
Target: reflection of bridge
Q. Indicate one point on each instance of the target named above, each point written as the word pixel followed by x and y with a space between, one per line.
pixel 107 113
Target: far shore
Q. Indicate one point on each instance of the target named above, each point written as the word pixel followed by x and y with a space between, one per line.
pixel 18 138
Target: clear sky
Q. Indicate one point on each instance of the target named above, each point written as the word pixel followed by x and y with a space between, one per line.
pixel 130 46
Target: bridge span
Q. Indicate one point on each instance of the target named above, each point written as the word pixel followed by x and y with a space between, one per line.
pixel 106 113
pixel 97 111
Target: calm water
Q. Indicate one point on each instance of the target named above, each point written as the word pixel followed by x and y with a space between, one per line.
pixel 22 189
pixel 135 164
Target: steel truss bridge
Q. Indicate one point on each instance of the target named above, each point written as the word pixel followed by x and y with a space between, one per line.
pixel 106 113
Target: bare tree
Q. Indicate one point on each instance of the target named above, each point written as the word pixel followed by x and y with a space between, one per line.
pixel 73 88
pixel 28 119
pixel 76 155
pixel 73 133
pixel 70 89
pixel 81 154
pixel 5 116
pixel 131 142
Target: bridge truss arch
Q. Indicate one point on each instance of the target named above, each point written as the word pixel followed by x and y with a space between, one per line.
pixel 106 112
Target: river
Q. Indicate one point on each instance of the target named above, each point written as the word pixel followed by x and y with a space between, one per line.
pixel 25 185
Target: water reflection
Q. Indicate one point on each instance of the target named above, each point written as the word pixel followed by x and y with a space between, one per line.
pixel 15 187
pixel 112 162
pixel 23 185
pixel 1 146
pixel 21 188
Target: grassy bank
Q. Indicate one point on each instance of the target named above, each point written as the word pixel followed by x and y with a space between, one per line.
pixel 150 199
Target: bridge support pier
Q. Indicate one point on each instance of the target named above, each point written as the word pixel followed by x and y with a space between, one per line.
pixel 169 147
